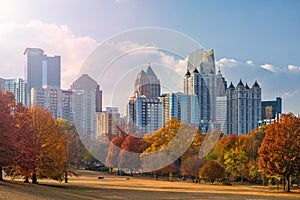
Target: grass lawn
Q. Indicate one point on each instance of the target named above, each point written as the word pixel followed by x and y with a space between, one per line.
pixel 87 186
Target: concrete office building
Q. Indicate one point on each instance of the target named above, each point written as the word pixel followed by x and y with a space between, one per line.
pixel 85 102
pixel 57 101
pixel 107 122
pixel 41 71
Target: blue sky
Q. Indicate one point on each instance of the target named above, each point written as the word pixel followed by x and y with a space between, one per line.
pixel 253 40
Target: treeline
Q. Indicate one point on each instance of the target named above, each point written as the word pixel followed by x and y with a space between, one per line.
pixel 33 144
pixel 271 153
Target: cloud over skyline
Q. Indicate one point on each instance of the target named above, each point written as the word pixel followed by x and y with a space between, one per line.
pixel 53 39
pixel 57 39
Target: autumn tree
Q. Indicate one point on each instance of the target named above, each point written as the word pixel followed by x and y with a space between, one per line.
pixel 167 145
pixel 190 160
pixel 52 155
pixel 251 145
pixel 112 158
pixel 41 144
pixel 212 171
pixel 7 104
pixel 26 142
pixel 280 149
pixel 235 162
pixel 224 145
pixel 165 171
pixel 191 165
pixel 129 156
pixel 75 150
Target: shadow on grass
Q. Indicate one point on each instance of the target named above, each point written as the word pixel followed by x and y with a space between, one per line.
pixel 69 191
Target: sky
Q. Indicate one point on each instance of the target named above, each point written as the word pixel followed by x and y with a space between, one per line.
pixel 252 40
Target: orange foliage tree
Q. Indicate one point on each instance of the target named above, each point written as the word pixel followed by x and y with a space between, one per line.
pixel 26 142
pixel 212 171
pixel 280 149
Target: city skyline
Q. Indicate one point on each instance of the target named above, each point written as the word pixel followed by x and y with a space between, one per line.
pixel 251 40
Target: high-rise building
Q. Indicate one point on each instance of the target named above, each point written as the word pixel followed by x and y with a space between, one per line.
pixel 243 108
pixel 203 61
pixel 145 113
pixel 270 111
pixel 181 106
pixel 16 86
pixel 147 84
pixel 144 109
pixel 57 101
pixel 107 122
pixel 221 103
pixel 201 80
pixel 86 101
pixel 41 70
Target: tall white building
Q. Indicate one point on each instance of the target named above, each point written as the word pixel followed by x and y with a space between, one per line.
pixel 86 101
pixel 107 122
pixel 41 70
pixel 243 108
pixel 201 80
pixel 221 103
pixel 144 109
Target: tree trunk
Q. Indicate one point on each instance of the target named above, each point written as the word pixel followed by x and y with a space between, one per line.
pixel 1 174
pixel 66 177
pixel 34 178
pixel 26 180
pixel 284 182
pixel 288 183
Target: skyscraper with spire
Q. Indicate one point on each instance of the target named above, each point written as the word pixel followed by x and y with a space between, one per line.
pixel 144 109
pixel 147 83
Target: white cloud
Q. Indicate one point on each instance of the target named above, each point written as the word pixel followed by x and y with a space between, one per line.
pixel 179 65
pixel 289 94
pixel 227 62
pixel 53 39
pixel 293 68
pixel 250 62
pixel 270 67
pixel 284 83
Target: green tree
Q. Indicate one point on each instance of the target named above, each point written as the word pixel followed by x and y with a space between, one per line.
pixel 235 162
pixel 280 149
pixel 212 171
pixel 224 145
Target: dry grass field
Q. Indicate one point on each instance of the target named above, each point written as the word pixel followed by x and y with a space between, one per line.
pixel 87 186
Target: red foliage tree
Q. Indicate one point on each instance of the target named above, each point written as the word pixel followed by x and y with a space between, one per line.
pixel 26 142
pixel 280 149
pixel 7 149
